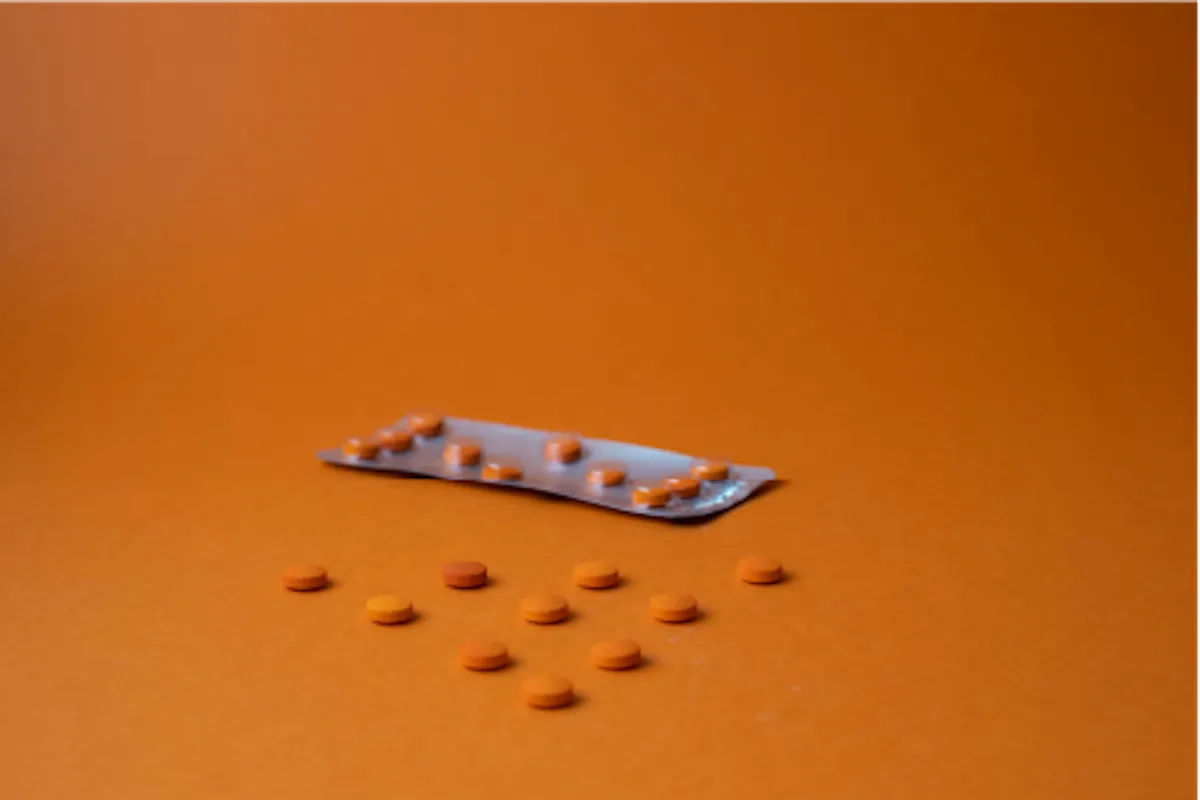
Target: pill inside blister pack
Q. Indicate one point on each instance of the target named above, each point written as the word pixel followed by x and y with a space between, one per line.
pixel 618 475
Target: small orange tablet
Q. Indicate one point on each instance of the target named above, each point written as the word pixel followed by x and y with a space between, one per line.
pixel 464 574
pixel 684 487
pixel 545 609
pixel 482 656
pixel 673 607
pixel 361 448
pixel 387 609
pixel 562 448
pixel 606 473
pixel 710 470
pixel 547 692
pixel 462 452
pixel 596 575
pixel 651 493
pixel 305 577
pixel 616 654
pixel 759 569
pixel 424 423
pixel 395 440
pixel 501 469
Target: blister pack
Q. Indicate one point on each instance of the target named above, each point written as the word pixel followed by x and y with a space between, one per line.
pixel 617 475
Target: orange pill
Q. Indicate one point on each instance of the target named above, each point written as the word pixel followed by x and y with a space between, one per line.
pixel 482 656
pixel 547 692
pixel 563 448
pixel 395 440
pixel 759 569
pixel 684 487
pixel 650 493
pixel 673 607
pixel 462 452
pixel 616 654
pixel 544 609
pixel 424 423
pixel 388 609
pixel 305 577
pixel 710 470
pixel 361 448
pixel 501 470
pixel 596 575
pixel 606 473
pixel 464 574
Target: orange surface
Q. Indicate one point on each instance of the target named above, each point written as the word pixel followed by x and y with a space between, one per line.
pixel 934 265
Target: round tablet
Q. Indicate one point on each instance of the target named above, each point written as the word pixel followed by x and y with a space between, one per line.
pixel 544 609
pixel 605 473
pixel 684 487
pixel 596 575
pixel 759 569
pixel 387 609
pixel 650 493
pixel 547 692
pixel 482 656
pixel 395 440
pixel 501 469
pixel 673 607
pixel 462 452
pixel 464 574
pixel 710 470
pixel 305 577
pixel 423 423
pixel 562 448
pixel 616 654
pixel 361 448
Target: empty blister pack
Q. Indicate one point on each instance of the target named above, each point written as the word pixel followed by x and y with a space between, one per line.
pixel 618 475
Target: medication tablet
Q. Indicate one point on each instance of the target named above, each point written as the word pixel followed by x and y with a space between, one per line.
pixel 562 448
pixel 544 609
pixel 482 656
pixel 424 423
pixel 501 469
pixel 462 452
pixel 361 448
pixel 758 569
pixel 616 654
pixel 606 473
pixel 673 607
pixel 650 493
pixel 547 692
pixel 305 577
pixel 710 470
pixel 684 487
pixel 596 575
pixel 395 440
pixel 464 574
pixel 387 609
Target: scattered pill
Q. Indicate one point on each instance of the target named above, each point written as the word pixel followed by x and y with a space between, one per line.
pixel 482 656
pixel 596 575
pixel 361 448
pixel 395 440
pixel 563 448
pixel 387 609
pixel 305 577
pixel 673 607
pixel 544 609
pixel 684 487
pixel 424 423
pixel 501 470
pixel 710 470
pixel 606 473
pixel 547 692
pixel 650 493
pixel 616 654
pixel 462 452
pixel 759 569
pixel 464 574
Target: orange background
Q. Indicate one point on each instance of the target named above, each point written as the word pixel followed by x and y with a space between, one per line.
pixel 935 265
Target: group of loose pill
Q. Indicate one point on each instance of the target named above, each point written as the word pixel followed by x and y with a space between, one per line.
pixel 541 609
pixel 458 452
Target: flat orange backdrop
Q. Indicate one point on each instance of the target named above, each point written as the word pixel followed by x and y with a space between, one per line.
pixel 935 265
